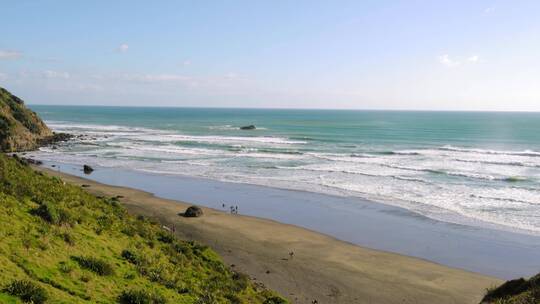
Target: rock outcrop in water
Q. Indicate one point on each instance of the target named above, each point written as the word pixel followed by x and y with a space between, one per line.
pixel 21 129
pixel 250 127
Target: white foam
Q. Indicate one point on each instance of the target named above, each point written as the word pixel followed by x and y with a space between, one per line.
pixel 497 152
pixel 218 139
pixel 448 183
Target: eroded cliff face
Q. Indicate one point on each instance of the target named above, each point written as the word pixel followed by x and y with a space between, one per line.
pixel 21 129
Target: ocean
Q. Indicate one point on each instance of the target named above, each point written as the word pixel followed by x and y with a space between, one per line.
pixel 473 168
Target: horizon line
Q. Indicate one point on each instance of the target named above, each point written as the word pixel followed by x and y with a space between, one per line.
pixel 292 108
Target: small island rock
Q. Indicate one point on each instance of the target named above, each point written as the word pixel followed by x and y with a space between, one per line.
pixel 250 127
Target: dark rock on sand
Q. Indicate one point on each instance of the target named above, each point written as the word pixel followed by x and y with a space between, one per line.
pixel 250 127
pixel 193 211
pixel 87 169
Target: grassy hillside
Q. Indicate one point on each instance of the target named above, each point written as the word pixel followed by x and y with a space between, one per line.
pixel 20 128
pixel 60 243
pixel 518 291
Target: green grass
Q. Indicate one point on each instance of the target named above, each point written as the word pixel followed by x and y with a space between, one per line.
pixel 84 249
pixel 519 291
pixel 9 299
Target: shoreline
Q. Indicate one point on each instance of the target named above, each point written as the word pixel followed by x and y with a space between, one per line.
pixel 323 268
pixel 369 224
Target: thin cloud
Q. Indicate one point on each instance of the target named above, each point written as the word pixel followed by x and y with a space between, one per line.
pixel 10 55
pixel 186 62
pixel 489 10
pixel 123 48
pixel 231 75
pixel 228 80
pixel 157 78
pixel 3 76
pixel 446 61
pixel 449 62
pixel 473 59
pixel 56 75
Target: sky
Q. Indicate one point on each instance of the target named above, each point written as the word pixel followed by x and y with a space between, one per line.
pixel 423 55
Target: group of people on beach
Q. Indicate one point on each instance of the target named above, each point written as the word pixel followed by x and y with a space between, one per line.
pixel 233 209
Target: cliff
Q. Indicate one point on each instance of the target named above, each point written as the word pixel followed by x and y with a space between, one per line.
pixel 20 128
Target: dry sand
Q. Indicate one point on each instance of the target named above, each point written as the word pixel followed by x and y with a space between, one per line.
pixel 323 268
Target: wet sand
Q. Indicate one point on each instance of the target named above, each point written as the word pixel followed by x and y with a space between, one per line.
pixel 322 268
pixel 492 252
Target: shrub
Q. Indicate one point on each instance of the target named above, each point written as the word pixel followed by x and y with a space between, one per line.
pixel 241 281
pixel 96 265
pixel 68 238
pixel 131 257
pixel 43 244
pixel 130 276
pixel 144 230
pixel 518 291
pixel 275 300
pixel 233 299
pixel 27 291
pixel 48 212
pixel 52 214
pixel 129 230
pixel 104 222
pixel 165 237
pixel 65 267
pixel 140 297
pixel 85 278
pixel 182 248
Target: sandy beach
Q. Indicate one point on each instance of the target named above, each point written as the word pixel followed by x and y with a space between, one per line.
pixel 323 269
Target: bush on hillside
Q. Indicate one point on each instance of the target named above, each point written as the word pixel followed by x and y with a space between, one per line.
pixel 68 238
pixel 275 300
pixel 27 291
pixel 519 291
pixel 96 265
pixel 140 297
pixel 52 214
pixel 47 212
pixel 131 257
pixel 241 281
pixel 165 237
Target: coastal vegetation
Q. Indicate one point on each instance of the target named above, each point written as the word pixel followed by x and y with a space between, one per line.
pixel 60 244
pixel 20 127
pixel 519 291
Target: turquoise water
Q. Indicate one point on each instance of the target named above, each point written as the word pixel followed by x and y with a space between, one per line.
pixel 464 167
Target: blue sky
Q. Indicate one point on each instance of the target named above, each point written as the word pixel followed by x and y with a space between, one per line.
pixel 432 55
